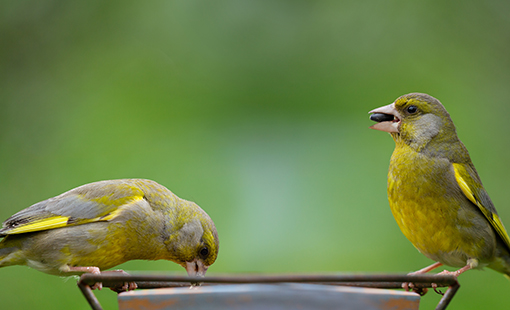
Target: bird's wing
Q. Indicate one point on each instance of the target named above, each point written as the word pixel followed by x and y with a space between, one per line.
pixel 99 201
pixel 472 187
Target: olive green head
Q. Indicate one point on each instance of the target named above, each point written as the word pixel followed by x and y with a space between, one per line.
pixel 415 119
pixel 195 244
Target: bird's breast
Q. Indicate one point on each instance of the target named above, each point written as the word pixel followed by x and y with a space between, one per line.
pixel 432 212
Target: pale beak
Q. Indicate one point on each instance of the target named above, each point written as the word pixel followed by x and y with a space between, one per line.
pixel 196 268
pixel 387 117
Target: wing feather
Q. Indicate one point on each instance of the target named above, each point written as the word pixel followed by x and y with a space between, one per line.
pixel 474 191
pixel 99 201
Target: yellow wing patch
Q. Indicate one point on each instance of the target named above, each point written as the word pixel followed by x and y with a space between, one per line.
pixel 49 223
pixel 491 217
pixel 63 221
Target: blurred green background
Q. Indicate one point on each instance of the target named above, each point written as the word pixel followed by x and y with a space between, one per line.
pixel 257 111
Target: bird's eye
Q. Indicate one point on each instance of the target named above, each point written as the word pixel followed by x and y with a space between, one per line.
pixel 412 109
pixel 204 252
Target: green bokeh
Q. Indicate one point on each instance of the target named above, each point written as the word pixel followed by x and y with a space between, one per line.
pixel 257 111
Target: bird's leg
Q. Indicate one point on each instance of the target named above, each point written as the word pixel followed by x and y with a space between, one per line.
pixel 457 273
pixel 93 270
pixel 471 263
pixel 410 286
pixel 427 269
pixel 126 286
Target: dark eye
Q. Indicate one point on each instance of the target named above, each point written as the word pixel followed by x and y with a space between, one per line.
pixel 204 252
pixel 412 109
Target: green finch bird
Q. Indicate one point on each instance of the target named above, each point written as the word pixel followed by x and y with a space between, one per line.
pixel 434 191
pixel 103 224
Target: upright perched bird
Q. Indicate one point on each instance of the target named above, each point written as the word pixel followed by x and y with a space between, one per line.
pixel 434 191
pixel 103 224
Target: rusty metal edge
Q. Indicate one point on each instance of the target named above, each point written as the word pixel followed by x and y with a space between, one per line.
pixel 358 280
pixel 89 295
pixel 448 296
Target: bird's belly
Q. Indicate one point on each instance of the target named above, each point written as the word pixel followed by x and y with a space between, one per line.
pixel 53 251
pixel 440 228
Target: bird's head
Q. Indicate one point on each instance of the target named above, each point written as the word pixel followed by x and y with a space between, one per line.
pixel 195 244
pixel 415 119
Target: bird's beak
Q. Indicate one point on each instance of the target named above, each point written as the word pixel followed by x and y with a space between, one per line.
pixel 196 268
pixel 387 118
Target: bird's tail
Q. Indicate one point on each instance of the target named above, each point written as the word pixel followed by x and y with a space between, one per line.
pixel 501 262
pixel 8 251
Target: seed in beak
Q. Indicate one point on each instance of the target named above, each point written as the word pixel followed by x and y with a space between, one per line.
pixel 381 117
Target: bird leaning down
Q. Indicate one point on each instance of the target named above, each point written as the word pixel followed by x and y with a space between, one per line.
pixel 434 191
pixel 103 224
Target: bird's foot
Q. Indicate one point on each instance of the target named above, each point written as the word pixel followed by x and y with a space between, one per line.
pixel 93 270
pixel 438 291
pixel 449 273
pixel 455 274
pixel 126 286
pixel 409 286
